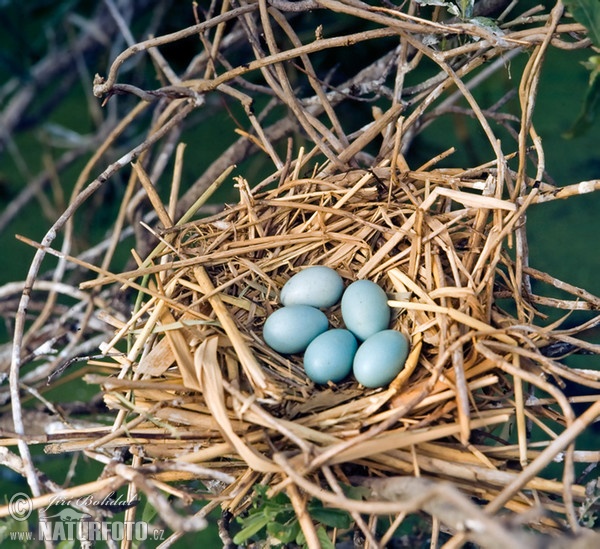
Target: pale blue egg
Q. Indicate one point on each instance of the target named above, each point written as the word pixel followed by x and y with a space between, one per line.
pixel 380 358
pixel 316 286
pixel 329 356
pixel 290 329
pixel 364 309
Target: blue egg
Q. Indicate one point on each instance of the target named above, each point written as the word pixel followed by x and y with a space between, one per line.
pixel 316 286
pixel 329 356
pixel 380 358
pixel 364 309
pixel 291 329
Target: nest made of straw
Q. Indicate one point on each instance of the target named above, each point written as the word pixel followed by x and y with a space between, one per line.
pixel 479 404
pixel 439 243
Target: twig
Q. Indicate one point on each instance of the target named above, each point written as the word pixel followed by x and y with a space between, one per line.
pixel 103 86
pixel 32 477
pixel 546 457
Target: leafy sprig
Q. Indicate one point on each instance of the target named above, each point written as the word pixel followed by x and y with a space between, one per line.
pixel 588 511
pixel 274 518
pixel 587 12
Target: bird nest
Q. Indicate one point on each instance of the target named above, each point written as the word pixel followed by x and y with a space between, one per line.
pixel 476 425
pixel 478 381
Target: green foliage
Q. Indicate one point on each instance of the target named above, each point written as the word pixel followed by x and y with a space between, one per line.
pixel 462 9
pixel 587 12
pixel 6 526
pixel 588 511
pixel 591 102
pixel 149 513
pixel 324 540
pixel 276 519
pixel 66 544
pixel 9 527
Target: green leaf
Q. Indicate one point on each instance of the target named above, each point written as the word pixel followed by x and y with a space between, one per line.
pixel 356 492
pixel 279 500
pixel 149 513
pixel 4 532
pixel 488 24
pixel 9 525
pixel 285 533
pixel 454 10
pixel 324 539
pixel 66 544
pixel 587 12
pixel 252 525
pixel 431 2
pixel 334 518
pixel 462 9
pixel 466 8
pixel 591 102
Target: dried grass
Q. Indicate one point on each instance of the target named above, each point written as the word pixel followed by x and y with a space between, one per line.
pixel 197 385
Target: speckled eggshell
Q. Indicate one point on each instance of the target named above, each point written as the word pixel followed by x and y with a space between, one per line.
pixel 364 309
pixel 380 358
pixel 329 356
pixel 317 286
pixel 290 329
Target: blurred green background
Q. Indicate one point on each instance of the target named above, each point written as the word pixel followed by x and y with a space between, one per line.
pixel 563 235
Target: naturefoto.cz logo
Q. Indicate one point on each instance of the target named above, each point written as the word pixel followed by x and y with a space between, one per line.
pixel 69 524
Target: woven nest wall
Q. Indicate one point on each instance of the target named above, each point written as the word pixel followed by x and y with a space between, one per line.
pixel 463 408
pixel 476 426
pixel 440 265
